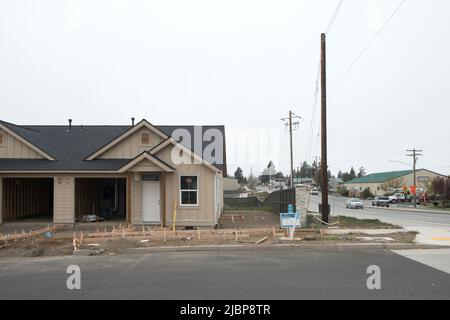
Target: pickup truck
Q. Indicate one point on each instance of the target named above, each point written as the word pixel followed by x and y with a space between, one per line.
pixel 398 197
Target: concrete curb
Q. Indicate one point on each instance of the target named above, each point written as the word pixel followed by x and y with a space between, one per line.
pixel 410 210
pixel 334 247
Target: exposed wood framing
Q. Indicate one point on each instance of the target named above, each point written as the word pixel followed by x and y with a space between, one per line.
pixel 27 197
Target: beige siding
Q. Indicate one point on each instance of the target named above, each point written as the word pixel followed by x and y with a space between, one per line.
pixel 146 166
pixel 421 175
pixel 64 200
pixel 131 146
pixel 136 200
pixel 12 148
pixel 375 188
pixel 204 213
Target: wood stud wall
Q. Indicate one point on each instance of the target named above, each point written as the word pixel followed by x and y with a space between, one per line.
pixel 27 197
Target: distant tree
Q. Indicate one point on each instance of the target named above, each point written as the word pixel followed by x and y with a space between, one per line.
pixel 279 175
pixel 362 172
pixel 340 174
pixel 392 185
pixel 352 174
pixel 305 170
pixel 239 175
pixel 366 194
pixel 438 186
pixel 251 181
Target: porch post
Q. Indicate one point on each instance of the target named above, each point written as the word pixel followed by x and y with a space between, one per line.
pixel 163 199
pixel 129 198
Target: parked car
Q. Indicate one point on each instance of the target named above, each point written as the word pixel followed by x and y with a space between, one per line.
pixel 315 192
pixel 381 202
pixel 354 204
pixel 398 197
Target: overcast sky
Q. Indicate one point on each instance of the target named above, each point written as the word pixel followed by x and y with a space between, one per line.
pixel 241 63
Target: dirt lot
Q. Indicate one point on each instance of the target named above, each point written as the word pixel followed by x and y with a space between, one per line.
pixel 250 227
pixel 243 219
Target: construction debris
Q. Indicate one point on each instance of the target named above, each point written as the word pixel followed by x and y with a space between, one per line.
pixel 261 240
pixel 28 235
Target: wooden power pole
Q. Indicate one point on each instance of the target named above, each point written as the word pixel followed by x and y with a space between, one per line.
pixel 324 160
pixel 290 124
pixel 291 183
pixel 415 155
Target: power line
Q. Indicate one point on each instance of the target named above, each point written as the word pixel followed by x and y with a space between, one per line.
pixel 366 48
pixel 310 141
pixel 333 18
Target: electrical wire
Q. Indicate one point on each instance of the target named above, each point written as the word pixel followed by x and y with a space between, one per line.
pixel 366 48
pixel 333 18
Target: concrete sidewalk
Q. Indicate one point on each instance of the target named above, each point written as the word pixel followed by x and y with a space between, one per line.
pixel 438 258
pixel 432 236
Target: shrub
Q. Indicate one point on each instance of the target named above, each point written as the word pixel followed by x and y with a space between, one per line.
pixel 366 194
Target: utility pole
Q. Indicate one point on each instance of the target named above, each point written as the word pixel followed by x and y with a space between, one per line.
pixel 324 160
pixel 289 123
pixel 415 154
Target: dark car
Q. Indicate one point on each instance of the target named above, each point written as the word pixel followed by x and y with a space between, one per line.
pixel 381 202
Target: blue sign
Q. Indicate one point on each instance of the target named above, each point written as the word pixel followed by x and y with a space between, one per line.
pixel 290 220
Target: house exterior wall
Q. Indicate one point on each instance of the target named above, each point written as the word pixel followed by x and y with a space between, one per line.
pixel 131 146
pixel 203 215
pixel 64 200
pixel 136 199
pixel 375 188
pixel 12 148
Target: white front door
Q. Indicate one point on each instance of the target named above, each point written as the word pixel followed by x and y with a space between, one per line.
pixel 151 202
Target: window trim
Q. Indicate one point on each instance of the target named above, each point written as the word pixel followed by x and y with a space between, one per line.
pixel 2 141
pixel 189 190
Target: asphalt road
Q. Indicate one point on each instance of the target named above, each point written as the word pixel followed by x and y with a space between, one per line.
pixel 407 218
pixel 261 275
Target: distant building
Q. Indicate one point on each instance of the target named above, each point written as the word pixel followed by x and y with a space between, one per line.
pixel 304 181
pixel 377 181
pixel 232 189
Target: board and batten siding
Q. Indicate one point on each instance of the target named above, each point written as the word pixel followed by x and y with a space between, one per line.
pixel 203 215
pixel 131 146
pixel 13 148
pixel 64 200
pixel 136 199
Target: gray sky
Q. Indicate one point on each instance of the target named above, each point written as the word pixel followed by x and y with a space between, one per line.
pixel 243 64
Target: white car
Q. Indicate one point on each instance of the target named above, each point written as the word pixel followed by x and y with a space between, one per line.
pixel 354 204
pixel 314 192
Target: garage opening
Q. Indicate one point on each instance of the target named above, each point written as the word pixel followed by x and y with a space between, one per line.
pixel 27 198
pixel 101 197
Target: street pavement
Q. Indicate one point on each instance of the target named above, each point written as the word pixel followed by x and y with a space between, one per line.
pixel 269 274
pixel 433 228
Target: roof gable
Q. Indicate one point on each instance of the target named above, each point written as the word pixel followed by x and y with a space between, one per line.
pixel 146 157
pixel 15 134
pixel 132 130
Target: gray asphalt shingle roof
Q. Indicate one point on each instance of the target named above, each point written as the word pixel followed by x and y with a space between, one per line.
pixel 70 148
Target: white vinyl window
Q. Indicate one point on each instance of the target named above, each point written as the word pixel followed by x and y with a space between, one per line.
pixel 189 191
